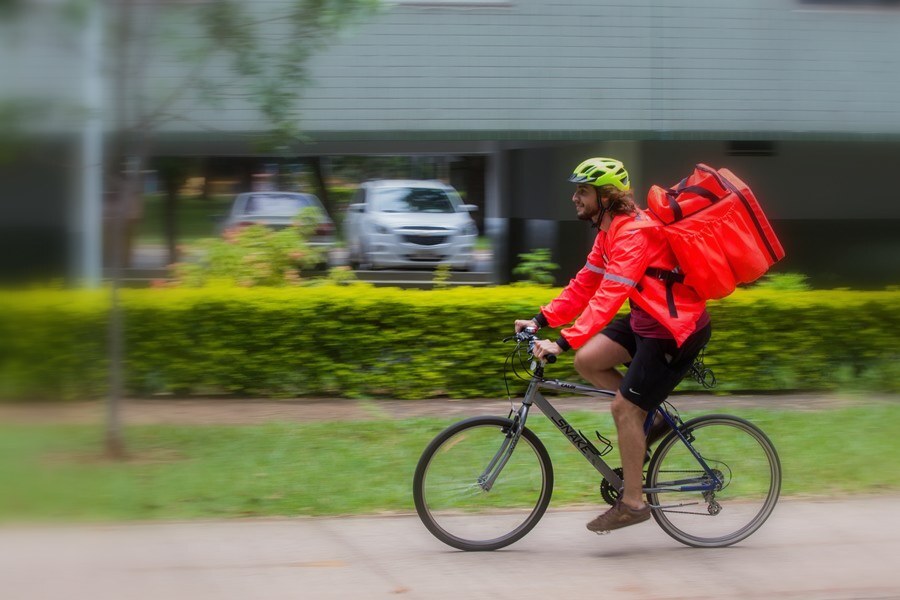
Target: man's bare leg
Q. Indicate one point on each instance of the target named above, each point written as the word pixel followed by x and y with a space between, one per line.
pixel 629 420
pixel 597 360
pixel 630 509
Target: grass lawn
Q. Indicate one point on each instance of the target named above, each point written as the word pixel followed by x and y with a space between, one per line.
pixel 56 472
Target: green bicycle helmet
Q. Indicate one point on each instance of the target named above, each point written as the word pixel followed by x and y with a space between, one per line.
pixel 602 171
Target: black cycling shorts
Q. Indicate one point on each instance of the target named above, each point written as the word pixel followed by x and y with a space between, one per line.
pixel 657 365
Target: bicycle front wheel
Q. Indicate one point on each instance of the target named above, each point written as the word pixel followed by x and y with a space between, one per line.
pixel 747 468
pixel 478 488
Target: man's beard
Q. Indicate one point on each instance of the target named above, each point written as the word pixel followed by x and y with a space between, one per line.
pixel 588 215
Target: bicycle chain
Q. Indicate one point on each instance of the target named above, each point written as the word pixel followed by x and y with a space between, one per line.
pixel 610 494
pixel 686 512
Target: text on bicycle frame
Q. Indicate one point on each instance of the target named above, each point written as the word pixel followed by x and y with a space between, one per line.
pixel 582 444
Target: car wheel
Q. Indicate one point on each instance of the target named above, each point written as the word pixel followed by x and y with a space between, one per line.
pixel 365 261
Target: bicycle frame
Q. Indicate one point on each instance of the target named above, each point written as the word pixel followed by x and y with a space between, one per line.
pixel 533 396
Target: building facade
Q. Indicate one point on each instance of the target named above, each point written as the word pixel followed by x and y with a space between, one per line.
pixel 801 98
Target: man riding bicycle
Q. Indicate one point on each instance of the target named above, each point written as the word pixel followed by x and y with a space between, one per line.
pixel 667 328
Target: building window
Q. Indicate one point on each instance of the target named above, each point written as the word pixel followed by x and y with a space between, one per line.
pixel 750 148
pixel 453 3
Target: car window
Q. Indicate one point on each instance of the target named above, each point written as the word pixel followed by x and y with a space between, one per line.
pixel 412 200
pixel 275 205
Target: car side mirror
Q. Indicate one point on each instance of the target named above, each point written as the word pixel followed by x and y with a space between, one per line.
pixel 357 208
pixel 469 207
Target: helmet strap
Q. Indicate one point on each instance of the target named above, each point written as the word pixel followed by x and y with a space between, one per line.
pixel 603 209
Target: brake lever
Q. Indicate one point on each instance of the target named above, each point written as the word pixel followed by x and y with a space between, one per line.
pixel 550 358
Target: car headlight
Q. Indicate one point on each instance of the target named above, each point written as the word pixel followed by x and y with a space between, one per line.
pixel 381 229
pixel 470 229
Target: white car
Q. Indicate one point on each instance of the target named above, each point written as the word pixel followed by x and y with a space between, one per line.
pixel 405 223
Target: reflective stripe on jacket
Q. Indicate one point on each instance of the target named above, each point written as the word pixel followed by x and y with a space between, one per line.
pixel 616 269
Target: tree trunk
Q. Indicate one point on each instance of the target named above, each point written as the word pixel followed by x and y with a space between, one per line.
pixel 114 443
pixel 315 164
pixel 171 185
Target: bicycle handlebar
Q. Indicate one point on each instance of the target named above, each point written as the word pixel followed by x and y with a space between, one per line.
pixel 529 335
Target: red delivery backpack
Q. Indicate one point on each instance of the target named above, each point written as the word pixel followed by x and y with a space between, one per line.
pixel 716 229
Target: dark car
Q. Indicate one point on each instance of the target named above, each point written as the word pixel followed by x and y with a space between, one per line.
pixel 278 210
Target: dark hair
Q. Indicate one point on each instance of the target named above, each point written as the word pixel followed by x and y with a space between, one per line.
pixel 620 203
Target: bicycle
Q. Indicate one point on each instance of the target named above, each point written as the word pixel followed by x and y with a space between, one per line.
pixel 711 482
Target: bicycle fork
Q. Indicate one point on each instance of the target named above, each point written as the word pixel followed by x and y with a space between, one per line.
pixel 489 476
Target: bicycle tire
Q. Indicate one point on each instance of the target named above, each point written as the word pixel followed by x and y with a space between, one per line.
pixel 460 512
pixel 751 474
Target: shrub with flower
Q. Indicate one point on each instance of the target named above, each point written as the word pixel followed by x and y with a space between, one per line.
pixel 252 256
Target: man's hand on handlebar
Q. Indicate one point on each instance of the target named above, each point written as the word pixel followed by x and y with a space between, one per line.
pixel 523 323
pixel 545 348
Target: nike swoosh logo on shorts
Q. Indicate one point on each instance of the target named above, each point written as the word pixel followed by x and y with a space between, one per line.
pixel 634 392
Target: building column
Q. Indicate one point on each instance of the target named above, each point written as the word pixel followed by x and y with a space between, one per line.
pixel 496 209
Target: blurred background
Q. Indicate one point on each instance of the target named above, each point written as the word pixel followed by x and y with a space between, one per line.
pixel 141 139
pixel 160 112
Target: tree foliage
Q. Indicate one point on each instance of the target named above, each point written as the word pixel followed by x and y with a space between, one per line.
pixel 240 53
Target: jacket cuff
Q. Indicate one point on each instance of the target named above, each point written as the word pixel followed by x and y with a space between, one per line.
pixel 540 319
pixel 562 343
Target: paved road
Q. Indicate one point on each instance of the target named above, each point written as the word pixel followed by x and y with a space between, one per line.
pixel 807 549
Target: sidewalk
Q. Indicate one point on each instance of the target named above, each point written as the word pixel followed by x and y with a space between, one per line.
pixel 228 411
pixel 809 549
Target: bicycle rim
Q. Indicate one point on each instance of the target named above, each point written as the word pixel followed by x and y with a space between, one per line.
pixel 748 466
pixel 455 504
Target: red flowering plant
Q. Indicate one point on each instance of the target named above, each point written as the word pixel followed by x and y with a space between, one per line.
pixel 252 256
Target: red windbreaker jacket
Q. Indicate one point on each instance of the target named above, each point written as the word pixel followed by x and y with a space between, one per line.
pixel 617 269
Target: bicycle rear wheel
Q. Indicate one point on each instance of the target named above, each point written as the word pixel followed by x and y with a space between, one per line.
pixel 742 458
pixel 455 497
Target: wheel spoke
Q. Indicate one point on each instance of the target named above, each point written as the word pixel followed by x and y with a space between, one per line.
pixel 473 493
pixel 748 471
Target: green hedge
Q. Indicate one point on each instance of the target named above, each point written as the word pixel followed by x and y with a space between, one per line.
pixel 360 341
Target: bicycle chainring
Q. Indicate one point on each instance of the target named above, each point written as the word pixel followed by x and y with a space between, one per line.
pixel 610 494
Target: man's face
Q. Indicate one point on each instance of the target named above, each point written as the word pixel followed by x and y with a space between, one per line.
pixel 587 203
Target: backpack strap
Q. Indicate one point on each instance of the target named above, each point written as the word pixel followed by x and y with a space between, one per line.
pixel 673 194
pixel 728 185
pixel 670 278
